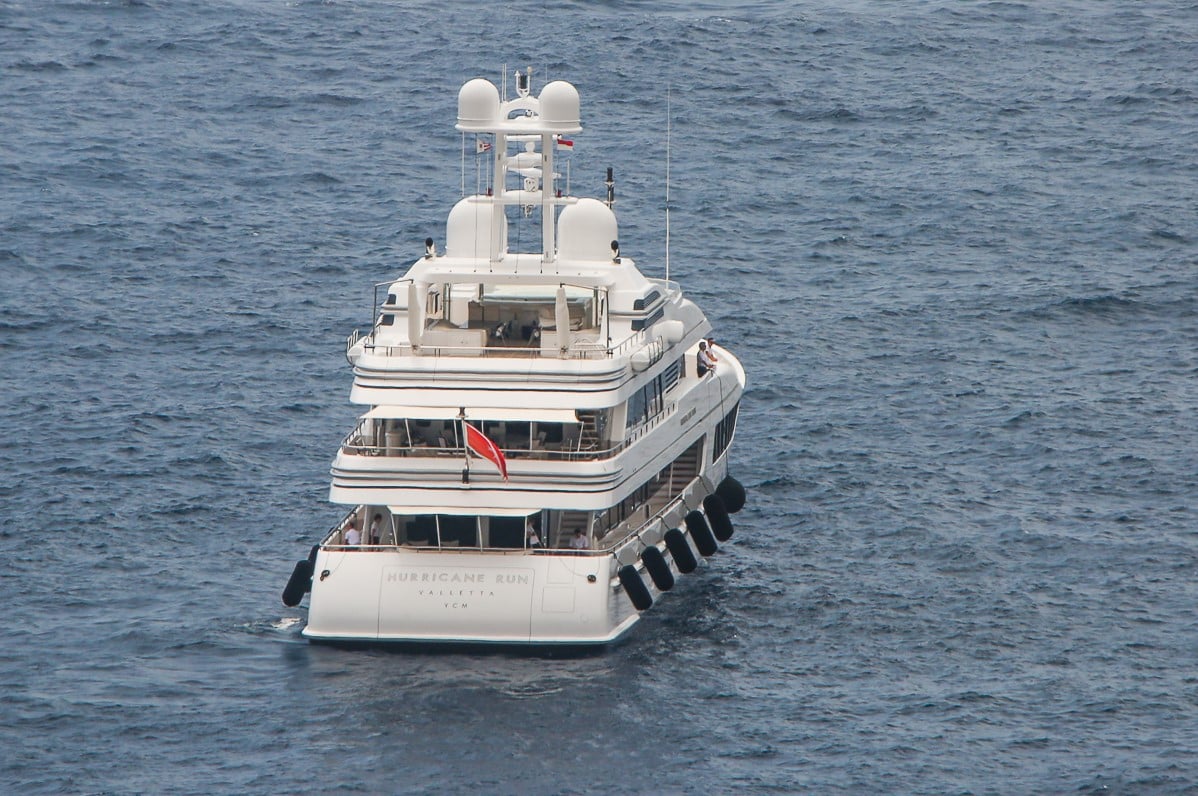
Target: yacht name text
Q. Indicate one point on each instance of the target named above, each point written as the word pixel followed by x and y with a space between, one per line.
pixel 500 578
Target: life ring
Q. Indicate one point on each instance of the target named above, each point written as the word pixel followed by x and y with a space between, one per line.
pixel 732 493
pixel 298 584
pixel 680 549
pixel 658 568
pixel 717 517
pixel 701 533
pixel 637 591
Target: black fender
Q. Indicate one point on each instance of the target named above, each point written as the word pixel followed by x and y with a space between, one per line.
pixel 696 523
pixel 717 517
pixel 658 568
pixel 732 493
pixel 298 584
pixel 680 549
pixel 637 591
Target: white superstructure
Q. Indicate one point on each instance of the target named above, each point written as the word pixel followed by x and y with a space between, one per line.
pixel 581 372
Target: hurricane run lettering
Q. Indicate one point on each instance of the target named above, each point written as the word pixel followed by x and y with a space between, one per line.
pixel 457 577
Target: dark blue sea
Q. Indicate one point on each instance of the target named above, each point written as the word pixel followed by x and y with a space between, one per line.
pixel 954 243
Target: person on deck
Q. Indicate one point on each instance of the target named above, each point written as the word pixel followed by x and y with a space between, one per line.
pixel 711 352
pixel 353 536
pixel 703 360
pixel 376 529
pixel 580 541
pixel 530 532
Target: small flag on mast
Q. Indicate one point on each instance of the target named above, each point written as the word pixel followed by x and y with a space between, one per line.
pixel 481 445
pixel 481 146
pixel 565 143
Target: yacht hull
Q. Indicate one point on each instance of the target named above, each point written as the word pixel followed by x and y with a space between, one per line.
pixel 468 597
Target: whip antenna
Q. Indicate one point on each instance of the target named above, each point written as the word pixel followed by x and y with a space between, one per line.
pixel 667 183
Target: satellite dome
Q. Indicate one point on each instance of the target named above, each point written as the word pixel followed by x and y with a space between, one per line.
pixel 468 229
pixel 585 231
pixel 478 106
pixel 560 107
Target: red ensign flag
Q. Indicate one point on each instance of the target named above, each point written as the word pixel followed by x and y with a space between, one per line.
pixel 482 446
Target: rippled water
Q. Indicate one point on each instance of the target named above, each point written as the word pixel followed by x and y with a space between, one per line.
pixel 954 244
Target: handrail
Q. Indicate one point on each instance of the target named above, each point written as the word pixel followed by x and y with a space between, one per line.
pixel 354 444
pixel 350 342
pixel 577 350
pixel 433 548
pixel 699 485
pixel 637 535
pixel 327 543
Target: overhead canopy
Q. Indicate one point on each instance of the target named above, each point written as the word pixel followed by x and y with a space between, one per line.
pixel 473 413
pixel 538 293
pixel 460 511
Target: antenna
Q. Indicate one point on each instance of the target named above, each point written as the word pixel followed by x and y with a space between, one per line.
pixel 667 183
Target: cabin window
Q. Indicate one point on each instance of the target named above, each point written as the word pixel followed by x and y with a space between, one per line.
pixel 636 409
pixel 724 432
pixel 645 403
pixel 421 530
pixel 647 322
pixel 387 320
pixel 469 531
pixel 457 531
pixel 647 301
pixel 506 532
pixel 672 374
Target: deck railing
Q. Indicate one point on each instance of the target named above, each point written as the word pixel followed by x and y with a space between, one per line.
pixel 356 444
pixel 334 540
pixel 623 537
pixel 578 349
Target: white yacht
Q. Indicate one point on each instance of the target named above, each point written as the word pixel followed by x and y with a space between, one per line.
pixel 543 447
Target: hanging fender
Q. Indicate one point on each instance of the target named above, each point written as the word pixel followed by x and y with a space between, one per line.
pixel 658 568
pixel 636 589
pixel 298 584
pixel 701 533
pixel 717 517
pixel 732 493
pixel 680 549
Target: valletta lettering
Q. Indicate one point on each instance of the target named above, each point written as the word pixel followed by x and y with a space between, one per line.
pixel 455 593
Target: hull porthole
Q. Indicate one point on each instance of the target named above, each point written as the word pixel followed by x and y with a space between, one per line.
pixel 658 568
pixel 732 493
pixel 637 591
pixel 298 584
pixel 717 517
pixel 680 549
pixel 701 533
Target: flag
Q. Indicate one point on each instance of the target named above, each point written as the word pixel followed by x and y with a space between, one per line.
pixel 565 143
pixel 481 147
pixel 482 445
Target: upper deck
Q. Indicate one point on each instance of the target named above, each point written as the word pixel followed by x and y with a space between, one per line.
pixel 495 337
pixel 495 325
